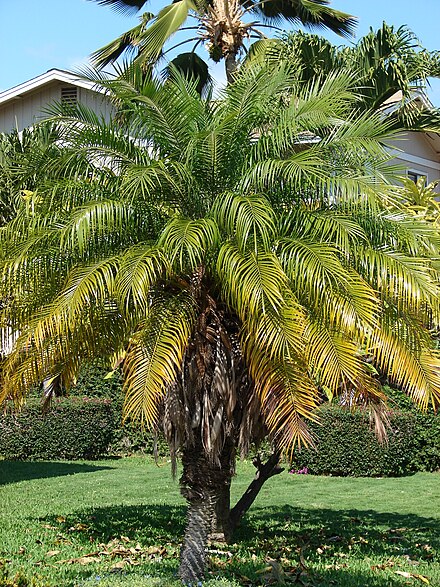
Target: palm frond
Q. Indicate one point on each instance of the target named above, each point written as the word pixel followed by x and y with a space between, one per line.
pixel 141 267
pixel 251 282
pixel 249 219
pixel 409 360
pixel 154 357
pixel 187 242
pixel 124 6
pixel 164 26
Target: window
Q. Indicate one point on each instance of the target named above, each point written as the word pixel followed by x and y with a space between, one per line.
pixel 69 95
pixel 415 175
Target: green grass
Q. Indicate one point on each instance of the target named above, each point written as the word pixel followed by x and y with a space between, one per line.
pixel 316 531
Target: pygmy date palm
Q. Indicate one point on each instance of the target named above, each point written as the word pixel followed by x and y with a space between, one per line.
pixel 237 257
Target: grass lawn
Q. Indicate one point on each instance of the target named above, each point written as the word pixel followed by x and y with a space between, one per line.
pixel 119 522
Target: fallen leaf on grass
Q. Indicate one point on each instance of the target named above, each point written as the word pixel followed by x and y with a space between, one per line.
pixel 413 576
pixel 118 566
pixel 60 519
pixel 86 560
pixel 383 566
pixel 82 560
pixel 52 552
pixel 79 528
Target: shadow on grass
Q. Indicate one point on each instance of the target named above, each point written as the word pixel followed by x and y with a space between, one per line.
pixel 344 548
pixel 14 471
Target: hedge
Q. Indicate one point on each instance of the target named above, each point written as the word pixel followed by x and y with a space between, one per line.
pixel 346 445
pixel 86 424
pixel 79 427
pixel 74 428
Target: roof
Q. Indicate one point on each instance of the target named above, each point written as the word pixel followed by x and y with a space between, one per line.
pixel 417 96
pixel 52 75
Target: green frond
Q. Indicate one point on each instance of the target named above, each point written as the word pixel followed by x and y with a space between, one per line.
pixel 334 359
pixel 251 282
pixel 409 280
pixel 312 267
pixel 249 220
pixel 154 357
pixel 323 226
pixel 141 267
pixel 97 222
pixel 281 333
pixel 306 168
pixel 88 285
pixel 52 344
pixel 325 286
pixel 126 43
pixel 410 362
pixel 156 182
pixel 287 394
pixel 187 243
pixel 309 13
pixel 164 26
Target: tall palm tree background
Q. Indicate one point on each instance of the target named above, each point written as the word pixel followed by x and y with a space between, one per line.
pixel 238 258
pixel 224 27
pixel 391 67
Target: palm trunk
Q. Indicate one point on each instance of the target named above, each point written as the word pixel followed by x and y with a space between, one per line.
pixel 220 530
pixel 195 487
pixel 231 66
pixel 221 504
pixel 193 552
pixel 205 485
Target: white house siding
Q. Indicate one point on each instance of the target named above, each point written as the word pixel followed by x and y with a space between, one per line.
pixel 415 152
pixel 96 102
pixel 24 111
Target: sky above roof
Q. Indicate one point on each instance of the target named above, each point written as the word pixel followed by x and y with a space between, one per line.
pixel 39 35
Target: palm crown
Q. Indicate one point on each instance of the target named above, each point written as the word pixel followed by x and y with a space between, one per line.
pixel 224 27
pixel 251 203
pixel 238 256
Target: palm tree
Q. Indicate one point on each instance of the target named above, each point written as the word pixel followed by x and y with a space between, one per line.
pixel 223 26
pixel 20 155
pixel 236 257
pixel 388 64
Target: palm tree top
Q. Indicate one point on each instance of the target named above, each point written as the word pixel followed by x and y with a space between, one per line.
pixel 316 13
pixel 224 27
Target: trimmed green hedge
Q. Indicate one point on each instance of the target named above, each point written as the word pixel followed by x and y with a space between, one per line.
pixel 128 438
pixel 85 424
pixel 88 424
pixel 346 445
pixel 74 428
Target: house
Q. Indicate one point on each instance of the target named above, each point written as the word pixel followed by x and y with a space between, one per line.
pixel 25 104
pixel 417 152
pixel 420 154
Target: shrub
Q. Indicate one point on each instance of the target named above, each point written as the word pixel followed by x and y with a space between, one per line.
pixel 128 437
pixel 69 430
pixel 347 445
pixel 73 428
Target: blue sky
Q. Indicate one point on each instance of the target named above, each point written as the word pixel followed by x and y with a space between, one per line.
pixel 38 35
